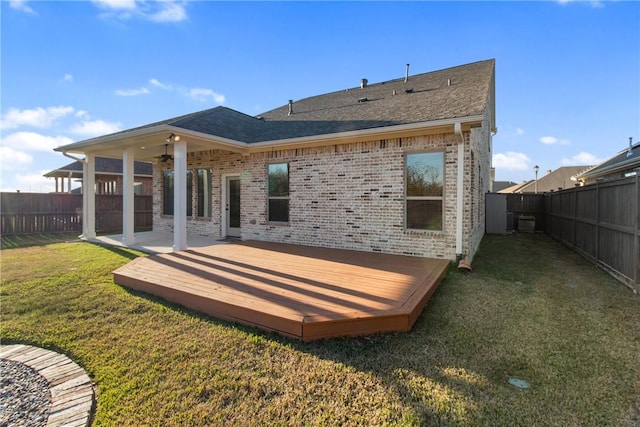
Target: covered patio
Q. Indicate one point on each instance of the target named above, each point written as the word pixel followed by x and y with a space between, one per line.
pixel 302 292
pixel 155 242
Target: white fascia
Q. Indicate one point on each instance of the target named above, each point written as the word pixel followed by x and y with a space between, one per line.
pixel 127 138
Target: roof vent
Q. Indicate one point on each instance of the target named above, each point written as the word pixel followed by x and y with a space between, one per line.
pixel 630 152
pixel 363 83
pixel 408 90
pixel 363 99
pixel 406 75
pixel 290 107
pixel 448 82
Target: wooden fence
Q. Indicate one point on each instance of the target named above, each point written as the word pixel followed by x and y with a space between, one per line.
pixel 601 222
pixel 31 213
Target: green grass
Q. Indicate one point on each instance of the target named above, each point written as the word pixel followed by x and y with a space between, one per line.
pixel 531 309
pixel 24 240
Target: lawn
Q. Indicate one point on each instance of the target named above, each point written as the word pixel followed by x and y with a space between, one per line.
pixel 531 310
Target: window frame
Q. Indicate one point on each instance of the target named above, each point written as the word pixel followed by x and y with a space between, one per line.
pixel 287 197
pixel 408 198
pixel 204 199
pixel 168 190
pixel 168 207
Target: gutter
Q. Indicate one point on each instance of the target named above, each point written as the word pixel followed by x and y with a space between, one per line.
pixel 240 146
pixel 457 129
pixel 64 153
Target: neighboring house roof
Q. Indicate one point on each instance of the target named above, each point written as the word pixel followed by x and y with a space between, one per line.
pixel 625 161
pixel 464 91
pixel 559 179
pixel 513 188
pixel 501 185
pixel 104 165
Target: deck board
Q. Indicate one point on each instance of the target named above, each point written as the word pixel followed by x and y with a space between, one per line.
pixel 299 291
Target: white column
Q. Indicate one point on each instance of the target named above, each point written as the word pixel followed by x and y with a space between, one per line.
pixel 69 182
pixel 128 200
pixel 89 197
pixel 179 195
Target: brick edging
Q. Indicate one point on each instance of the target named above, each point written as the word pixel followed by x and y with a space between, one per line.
pixel 72 395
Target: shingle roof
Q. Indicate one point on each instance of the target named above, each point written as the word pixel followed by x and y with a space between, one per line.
pixel 451 93
pixel 104 165
pixel 424 97
pixel 626 160
pixel 552 181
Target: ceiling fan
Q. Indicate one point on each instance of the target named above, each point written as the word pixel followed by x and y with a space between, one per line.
pixel 166 156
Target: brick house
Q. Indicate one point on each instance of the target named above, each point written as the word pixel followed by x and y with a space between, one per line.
pixel 108 176
pixel 399 166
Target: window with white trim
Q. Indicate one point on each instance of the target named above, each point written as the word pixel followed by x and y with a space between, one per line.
pixel 167 192
pixel 278 192
pixel 204 192
pixel 424 191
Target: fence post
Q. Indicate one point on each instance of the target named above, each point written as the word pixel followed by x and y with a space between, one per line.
pixel 636 237
pixel 597 243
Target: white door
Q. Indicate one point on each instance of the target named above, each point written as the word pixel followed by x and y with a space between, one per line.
pixel 233 206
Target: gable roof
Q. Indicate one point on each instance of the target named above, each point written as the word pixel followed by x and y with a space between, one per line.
pixel 514 188
pixel 626 160
pixel 104 165
pixel 559 179
pixel 454 93
pixel 501 185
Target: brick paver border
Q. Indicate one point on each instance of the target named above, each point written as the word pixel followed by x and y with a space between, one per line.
pixel 72 395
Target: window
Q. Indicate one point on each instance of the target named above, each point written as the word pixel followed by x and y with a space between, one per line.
pixel 167 192
pixel 168 180
pixel 424 191
pixel 278 196
pixel 204 193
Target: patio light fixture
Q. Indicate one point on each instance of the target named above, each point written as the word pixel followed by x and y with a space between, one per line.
pixel 172 137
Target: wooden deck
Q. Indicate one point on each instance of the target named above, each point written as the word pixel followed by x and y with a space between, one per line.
pixel 298 291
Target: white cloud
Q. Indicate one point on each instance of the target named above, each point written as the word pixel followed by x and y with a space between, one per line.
pixel 582 158
pixel 11 159
pixel 20 5
pixel 132 92
pixel 169 12
pixel 96 128
pixel 116 4
pixel 31 141
pixel 34 183
pixel 156 11
pixel 203 95
pixel 511 161
pixel 551 140
pixel 67 78
pixel 593 3
pixel 38 117
pixel 157 83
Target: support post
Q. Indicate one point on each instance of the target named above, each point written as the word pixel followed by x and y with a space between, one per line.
pixel 89 197
pixel 179 196
pixel 128 200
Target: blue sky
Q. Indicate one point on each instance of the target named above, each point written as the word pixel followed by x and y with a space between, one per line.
pixel 567 72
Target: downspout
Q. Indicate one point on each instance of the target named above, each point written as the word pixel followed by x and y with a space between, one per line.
pixel 457 129
pixel 64 153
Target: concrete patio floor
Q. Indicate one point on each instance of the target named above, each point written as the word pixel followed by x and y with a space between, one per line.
pixel 154 242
